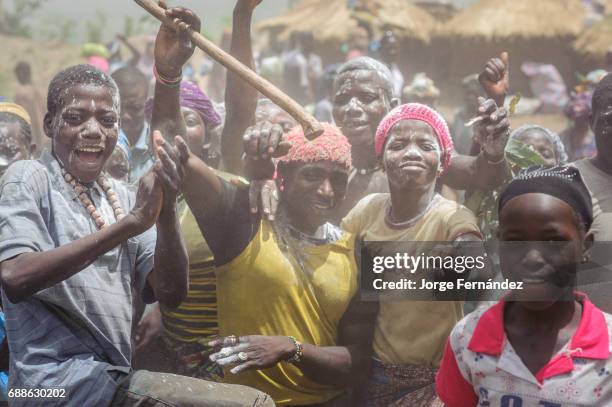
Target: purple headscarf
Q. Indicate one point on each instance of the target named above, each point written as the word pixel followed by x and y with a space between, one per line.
pixel 193 98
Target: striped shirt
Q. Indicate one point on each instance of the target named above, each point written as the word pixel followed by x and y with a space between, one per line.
pixel 76 334
pixel 196 318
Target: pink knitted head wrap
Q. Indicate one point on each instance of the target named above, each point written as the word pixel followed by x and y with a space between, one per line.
pixel 417 111
pixel 329 146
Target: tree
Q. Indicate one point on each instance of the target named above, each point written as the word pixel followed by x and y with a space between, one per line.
pixel 12 22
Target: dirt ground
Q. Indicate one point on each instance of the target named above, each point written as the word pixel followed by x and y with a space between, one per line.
pixel 46 58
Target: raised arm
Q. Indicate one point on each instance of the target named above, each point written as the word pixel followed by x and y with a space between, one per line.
pixel 240 98
pixel 489 168
pixel 173 48
pixel 133 50
pixel 199 184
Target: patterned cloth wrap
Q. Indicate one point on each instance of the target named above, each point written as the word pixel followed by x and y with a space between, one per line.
pixel 329 146
pixel 416 111
pixel 193 359
pixel 401 386
pixel 193 98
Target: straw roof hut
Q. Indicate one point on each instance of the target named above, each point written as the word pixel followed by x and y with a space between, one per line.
pixel 405 19
pixel 595 41
pixel 510 19
pixel 441 10
pixel 540 31
pixel 332 22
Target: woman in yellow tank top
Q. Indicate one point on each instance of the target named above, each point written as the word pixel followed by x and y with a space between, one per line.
pixel 289 323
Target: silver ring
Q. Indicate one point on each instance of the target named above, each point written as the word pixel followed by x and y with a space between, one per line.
pixel 243 356
pixel 225 352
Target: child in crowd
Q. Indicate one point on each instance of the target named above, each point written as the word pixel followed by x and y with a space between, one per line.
pixel 546 345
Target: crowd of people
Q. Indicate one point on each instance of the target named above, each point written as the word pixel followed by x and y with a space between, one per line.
pixel 159 247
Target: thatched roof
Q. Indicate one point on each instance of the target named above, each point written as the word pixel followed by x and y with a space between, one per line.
pixel 442 10
pixel 333 21
pixel 595 41
pixel 505 19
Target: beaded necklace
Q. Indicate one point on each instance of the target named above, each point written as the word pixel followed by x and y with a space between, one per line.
pixel 82 190
pixel 410 222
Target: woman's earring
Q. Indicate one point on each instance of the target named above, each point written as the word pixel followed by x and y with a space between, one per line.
pixel 586 258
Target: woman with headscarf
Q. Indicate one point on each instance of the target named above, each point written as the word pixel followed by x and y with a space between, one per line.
pixel 414 145
pixel 545 142
pixel 549 151
pixel 287 312
pixel 200 119
pixel 16 141
pixel 421 90
pixel 578 137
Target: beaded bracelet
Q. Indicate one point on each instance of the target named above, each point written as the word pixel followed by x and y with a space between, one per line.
pixel 174 82
pixel 299 351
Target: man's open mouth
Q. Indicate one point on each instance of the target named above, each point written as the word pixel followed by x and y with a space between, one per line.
pixel 90 154
pixel 319 206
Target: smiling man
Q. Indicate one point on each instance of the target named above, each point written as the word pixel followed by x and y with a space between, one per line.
pixel 72 252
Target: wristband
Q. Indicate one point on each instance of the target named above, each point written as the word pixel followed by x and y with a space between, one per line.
pixel 171 82
pixel 484 154
pixel 299 351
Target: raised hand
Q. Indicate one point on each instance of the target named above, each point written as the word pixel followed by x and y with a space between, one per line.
pixel 168 168
pixel 264 141
pixel 495 78
pixel 492 132
pixel 173 46
pixel 149 199
pixel 263 194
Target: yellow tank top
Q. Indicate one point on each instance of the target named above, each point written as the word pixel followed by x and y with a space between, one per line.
pixel 262 292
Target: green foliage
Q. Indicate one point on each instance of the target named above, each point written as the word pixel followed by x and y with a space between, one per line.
pixel 484 203
pixel 521 155
pixel 141 25
pixel 95 28
pixel 58 28
pixel 14 20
